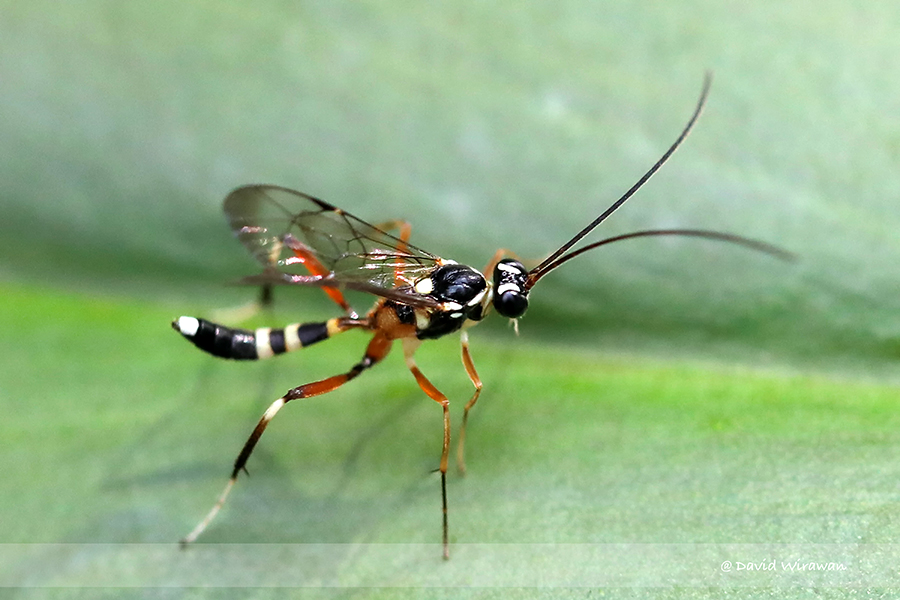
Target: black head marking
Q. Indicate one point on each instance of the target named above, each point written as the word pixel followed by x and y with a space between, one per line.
pixel 510 291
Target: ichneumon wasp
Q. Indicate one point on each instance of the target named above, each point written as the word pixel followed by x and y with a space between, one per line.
pixel 301 240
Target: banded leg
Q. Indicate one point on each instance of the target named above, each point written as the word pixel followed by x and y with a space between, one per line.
pixel 241 344
pixel 409 348
pixel 476 381
pixel 377 349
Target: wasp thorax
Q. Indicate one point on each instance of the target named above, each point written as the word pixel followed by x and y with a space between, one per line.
pixel 510 294
pixel 460 284
pixel 460 290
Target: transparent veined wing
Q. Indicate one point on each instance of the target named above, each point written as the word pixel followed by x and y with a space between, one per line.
pixel 281 227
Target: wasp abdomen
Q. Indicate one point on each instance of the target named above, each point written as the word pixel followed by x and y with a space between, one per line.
pixel 242 344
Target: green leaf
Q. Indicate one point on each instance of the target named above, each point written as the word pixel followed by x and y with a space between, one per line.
pixel 119 432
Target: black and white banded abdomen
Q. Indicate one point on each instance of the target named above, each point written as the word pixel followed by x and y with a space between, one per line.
pixel 242 344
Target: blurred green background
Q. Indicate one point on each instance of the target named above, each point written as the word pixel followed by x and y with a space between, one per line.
pixel 656 385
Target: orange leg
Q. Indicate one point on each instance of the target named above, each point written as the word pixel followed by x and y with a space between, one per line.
pixel 409 348
pixel 378 348
pixel 307 258
pixel 476 381
pixel 405 229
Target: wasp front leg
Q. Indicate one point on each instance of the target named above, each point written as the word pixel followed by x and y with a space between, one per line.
pixel 476 381
pixel 409 348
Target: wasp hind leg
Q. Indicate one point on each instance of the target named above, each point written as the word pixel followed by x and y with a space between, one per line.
pixel 307 257
pixel 377 349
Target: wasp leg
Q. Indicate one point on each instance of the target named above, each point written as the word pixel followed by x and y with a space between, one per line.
pixel 405 229
pixel 409 348
pixel 307 258
pixel 377 349
pixel 476 381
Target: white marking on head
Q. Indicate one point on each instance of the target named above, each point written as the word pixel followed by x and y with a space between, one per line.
pixel 263 345
pixel 424 286
pixel 448 306
pixel 508 287
pixel 188 326
pixel 509 268
pixel 455 315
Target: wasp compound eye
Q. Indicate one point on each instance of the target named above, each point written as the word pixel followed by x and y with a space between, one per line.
pixel 510 295
pixel 511 304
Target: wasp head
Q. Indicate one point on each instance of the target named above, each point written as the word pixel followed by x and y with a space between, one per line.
pixel 510 291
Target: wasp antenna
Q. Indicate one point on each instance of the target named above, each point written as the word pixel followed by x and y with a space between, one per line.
pixel 718 236
pixel 550 262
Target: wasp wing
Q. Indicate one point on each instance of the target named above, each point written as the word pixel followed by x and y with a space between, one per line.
pixel 283 229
